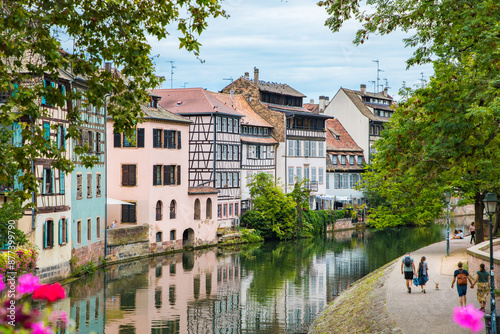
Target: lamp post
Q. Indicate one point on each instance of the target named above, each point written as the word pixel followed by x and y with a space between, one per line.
pixel 447 199
pixel 490 204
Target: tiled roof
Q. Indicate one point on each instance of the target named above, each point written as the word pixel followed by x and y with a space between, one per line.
pixel 279 88
pixel 378 106
pixel 355 97
pixel 337 138
pixel 291 110
pixel 163 114
pixel 202 190
pixel 258 140
pixel 250 117
pixel 312 107
pixel 185 101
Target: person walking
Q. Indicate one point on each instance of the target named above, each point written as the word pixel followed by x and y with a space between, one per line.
pixel 483 287
pixel 472 231
pixel 408 269
pixel 423 273
pixel 461 276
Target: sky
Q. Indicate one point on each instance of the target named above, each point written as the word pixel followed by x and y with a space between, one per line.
pixel 289 43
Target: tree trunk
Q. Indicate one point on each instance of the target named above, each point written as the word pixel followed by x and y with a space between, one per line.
pixel 478 216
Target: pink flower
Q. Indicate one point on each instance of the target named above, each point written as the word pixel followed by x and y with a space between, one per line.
pixel 469 317
pixel 2 284
pixel 27 284
pixel 59 316
pixel 39 328
pixel 49 292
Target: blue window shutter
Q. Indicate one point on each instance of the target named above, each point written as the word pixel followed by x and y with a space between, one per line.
pixel 67 229
pixel 60 231
pixel 63 137
pixel 44 181
pixel 17 137
pixel 53 84
pixel 63 90
pixel 46 129
pixel 17 184
pixel 61 183
pixel 44 100
pixel 59 137
pixel 45 234
pixel 16 86
pixel 52 186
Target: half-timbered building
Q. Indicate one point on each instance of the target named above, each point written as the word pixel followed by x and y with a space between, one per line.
pixel 300 132
pixel 258 147
pixel 214 145
pixel 363 114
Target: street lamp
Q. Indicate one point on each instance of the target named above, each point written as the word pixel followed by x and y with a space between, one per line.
pixel 447 199
pixel 490 204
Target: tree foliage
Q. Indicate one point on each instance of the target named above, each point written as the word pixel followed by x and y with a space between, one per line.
pixel 31 33
pixel 445 135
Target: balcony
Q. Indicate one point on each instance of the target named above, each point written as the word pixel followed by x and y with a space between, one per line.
pixel 312 186
pixel 297 132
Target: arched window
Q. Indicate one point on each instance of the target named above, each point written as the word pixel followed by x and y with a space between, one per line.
pixel 172 209
pixel 159 237
pixel 197 209
pixel 209 208
pixel 159 206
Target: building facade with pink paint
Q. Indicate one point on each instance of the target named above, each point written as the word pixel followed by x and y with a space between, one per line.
pixel 151 174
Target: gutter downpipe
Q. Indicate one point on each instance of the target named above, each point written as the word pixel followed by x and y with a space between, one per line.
pixel 286 153
pixel 106 175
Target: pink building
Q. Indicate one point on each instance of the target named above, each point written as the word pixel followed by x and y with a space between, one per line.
pixel 152 175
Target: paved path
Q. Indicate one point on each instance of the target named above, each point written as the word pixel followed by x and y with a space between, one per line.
pixel 430 312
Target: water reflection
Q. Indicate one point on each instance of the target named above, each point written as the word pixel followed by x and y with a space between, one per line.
pixel 269 288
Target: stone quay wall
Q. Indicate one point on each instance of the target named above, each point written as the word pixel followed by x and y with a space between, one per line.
pixel 480 253
pixel 128 242
pixel 93 252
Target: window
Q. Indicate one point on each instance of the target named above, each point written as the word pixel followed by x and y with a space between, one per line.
pixel 48 234
pixel 98 227
pixel 229 180
pixel 117 139
pixel 225 211
pixel 79 186
pixel 98 185
pixel 313 174
pixel 231 210
pixel 219 211
pixel 218 152
pixel 157 135
pixel 360 159
pixel 297 148
pixel 249 177
pixel 90 139
pixel 306 173
pixel 169 175
pixel 290 148
pixel 313 148
pixel 79 231
pixel 172 209
pixel 89 229
pixel 224 124
pixel 236 125
pixel 224 152
pixel 217 180
pixel 334 158
pixel 172 139
pixel 236 179
pixel 236 153
pixel 157 175
pixel 61 134
pixel 336 181
pixel 89 185
pixel 321 149
pixel 209 208
pixel 320 175
pixel 159 207
pixel 236 209
pixel 327 181
pixel 197 209
pixel 224 180
pixel 306 148
pixel 159 238
pixel 63 231
pixel 342 159
pixel 299 174
pixel 48 181
pixel 129 213
pixel 252 149
pixel 129 175
pixel 290 175
pixel 345 181
pixel 254 130
pixel 230 125
pixel 172 237
pixel 229 152
pixel 351 160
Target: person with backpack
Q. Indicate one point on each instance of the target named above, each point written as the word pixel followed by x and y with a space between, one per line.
pixel 408 269
pixel 461 276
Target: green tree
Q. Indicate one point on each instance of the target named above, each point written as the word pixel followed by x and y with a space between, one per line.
pixel 300 195
pixel 446 133
pixel 115 31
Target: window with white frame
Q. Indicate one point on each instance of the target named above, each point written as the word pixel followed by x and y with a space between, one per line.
pixel 299 174
pixel 342 159
pixel 219 152
pixel 290 148
pixel 217 180
pixel 321 149
pixel 252 151
pixel 297 148
pixel 320 175
pixel 313 174
pixel 249 177
pixel 345 181
pixel 290 175
pixel 313 148
pixel 327 181
pixel 360 159
pixel 351 160
pixel 230 152
pixel 224 152
pixel 334 159
pixel 306 148
pixel 336 181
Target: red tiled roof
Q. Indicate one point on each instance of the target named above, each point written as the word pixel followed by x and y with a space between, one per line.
pixel 185 101
pixel 202 190
pixel 259 140
pixel 311 107
pixel 238 102
pixel 337 138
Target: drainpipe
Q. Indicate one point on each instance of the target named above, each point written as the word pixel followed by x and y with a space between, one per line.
pixel 215 149
pixel 106 175
pixel 286 153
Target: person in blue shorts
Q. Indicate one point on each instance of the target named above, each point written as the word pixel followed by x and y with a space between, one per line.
pixel 461 276
pixel 408 269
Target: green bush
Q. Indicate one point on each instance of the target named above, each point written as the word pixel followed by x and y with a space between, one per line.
pixel 251 236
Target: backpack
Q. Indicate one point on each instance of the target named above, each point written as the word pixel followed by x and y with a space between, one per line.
pixel 461 278
pixel 407 261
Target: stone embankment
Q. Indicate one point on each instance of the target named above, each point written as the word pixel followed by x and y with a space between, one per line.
pixel 379 302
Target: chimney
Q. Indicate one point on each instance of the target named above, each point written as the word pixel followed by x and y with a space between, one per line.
pixel 363 89
pixel 385 92
pixel 312 101
pixel 247 76
pixel 107 66
pixel 256 76
pixel 323 103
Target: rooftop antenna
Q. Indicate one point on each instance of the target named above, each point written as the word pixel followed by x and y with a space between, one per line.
pixel 185 84
pixel 373 82
pixel 422 79
pixel 232 91
pixel 378 72
pixel 171 73
pixel 386 83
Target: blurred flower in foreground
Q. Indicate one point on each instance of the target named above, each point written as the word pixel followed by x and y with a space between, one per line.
pixel 27 284
pixel 469 317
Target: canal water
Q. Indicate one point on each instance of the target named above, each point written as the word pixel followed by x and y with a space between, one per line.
pixel 264 288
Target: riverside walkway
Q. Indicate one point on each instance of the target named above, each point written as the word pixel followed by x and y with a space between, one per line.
pixel 430 312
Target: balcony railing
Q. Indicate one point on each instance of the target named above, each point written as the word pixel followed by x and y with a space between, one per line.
pixel 312 185
pixel 306 133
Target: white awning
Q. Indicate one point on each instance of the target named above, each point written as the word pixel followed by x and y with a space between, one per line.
pixel 112 201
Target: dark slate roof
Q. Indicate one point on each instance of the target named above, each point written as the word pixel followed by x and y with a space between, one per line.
pixel 298 111
pixel 279 88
